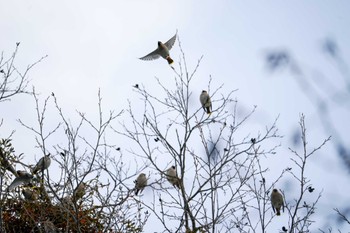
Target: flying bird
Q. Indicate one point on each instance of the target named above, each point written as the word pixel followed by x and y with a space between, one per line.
pixel 205 101
pixel 277 202
pixel 162 51
pixel 140 183
pixel 42 164
pixel 25 178
pixel 171 176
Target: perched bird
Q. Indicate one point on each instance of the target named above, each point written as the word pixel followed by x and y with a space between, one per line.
pixel 30 194
pixel 204 98
pixel 171 176
pixel 66 202
pixel 162 50
pixel 42 164
pixel 140 183
pixel 49 227
pixel 277 202
pixel 79 191
pixel 20 180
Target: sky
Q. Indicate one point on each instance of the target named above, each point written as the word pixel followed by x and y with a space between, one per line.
pixel 94 46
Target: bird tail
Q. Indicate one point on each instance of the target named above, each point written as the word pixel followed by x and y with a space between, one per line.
pixel 208 110
pixel 278 212
pixel 170 61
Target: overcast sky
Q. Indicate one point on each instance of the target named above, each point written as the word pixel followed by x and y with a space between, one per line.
pixel 96 45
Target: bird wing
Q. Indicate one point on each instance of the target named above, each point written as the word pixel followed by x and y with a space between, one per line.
pixel 208 103
pixel 169 44
pixel 151 56
pixel 273 208
pixel 204 98
pixel 17 182
pixel 38 165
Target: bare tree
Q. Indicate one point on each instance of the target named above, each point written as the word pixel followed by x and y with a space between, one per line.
pixel 85 189
pixel 13 81
pixel 329 95
pixel 219 179
pixel 300 210
pixel 213 154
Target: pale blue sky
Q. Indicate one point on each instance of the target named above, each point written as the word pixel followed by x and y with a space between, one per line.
pixel 94 45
